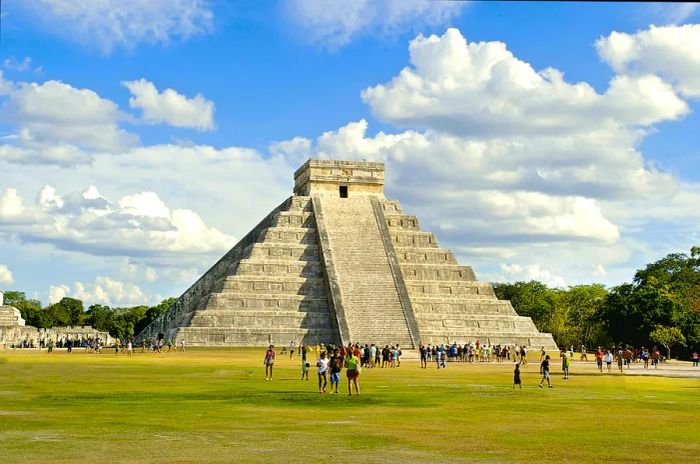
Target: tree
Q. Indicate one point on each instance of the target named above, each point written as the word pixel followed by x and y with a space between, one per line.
pixel 667 337
pixel 29 308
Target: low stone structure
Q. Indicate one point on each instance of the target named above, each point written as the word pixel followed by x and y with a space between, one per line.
pixel 338 262
pixel 15 332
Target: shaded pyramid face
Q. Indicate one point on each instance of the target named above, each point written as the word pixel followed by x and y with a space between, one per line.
pixel 339 263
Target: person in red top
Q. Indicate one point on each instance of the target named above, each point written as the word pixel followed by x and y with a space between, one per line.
pixel 599 358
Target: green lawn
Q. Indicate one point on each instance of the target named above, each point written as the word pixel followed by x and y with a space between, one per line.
pixel 214 406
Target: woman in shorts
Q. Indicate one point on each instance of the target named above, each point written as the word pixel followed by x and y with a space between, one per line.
pixel 352 364
pixel 322 365
pixel 269 362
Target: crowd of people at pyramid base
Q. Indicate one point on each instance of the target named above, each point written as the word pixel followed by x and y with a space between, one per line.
pixel 470 352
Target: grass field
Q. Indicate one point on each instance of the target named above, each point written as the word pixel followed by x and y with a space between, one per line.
pixel 214 406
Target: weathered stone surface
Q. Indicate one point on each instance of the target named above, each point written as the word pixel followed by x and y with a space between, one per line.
pixel 338 262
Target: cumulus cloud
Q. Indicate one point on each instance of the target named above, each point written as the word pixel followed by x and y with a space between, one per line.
pixel 295 150
pixel 337 22
pixel 480 89
pixel 170 107
pixel 136 225
pixel 519 272
pixel 48 134
pixel 107 24
pixel 105 291
pixel 6 277
pixel 672 52
pixel 57 293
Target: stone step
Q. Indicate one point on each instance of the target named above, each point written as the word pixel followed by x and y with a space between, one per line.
pixel 416 239
pixel 262 301
pixel 260 319
pixel 230 336
pixel 450 289
pixel 274 267
pixel 275 285
pixel 425 255
pixel 295 219
pixel 436 272
pixel 402 221
pixel 299 235
pixel 366 281
pixel 279 250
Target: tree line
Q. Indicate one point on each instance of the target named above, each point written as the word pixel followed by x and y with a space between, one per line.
pixel 119 322
pixel 661 307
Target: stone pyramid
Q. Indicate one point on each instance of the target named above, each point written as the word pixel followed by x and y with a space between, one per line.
pixel 338 262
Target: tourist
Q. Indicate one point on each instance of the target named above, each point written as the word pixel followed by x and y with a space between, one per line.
pixel 352 364
pixel 544 370
pixel 565 364
pixel 269 362
pixel 608 361
pixel 129 347
pixel 696 358
pixel 182 344
pixel 516 377
pixel 336 365
pixel 291 349
pixel 584 356
pixel 644 356
pixel 423 356
pixel 543 353
pixel 305 366
pixel 620 359
pixel 385 356
pixel 322 365
pixel 398 355
pixel 599 359
pixel 655 357
pixel 372 354
pixel 50 346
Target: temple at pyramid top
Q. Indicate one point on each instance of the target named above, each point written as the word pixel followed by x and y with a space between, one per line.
pixel 342 179
pixel 337 262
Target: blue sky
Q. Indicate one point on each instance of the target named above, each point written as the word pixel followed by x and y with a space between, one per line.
pixel 572 179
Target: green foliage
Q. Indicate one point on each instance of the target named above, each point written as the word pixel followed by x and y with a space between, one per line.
pixel 667 337
pixel 662 303
pixel 29 308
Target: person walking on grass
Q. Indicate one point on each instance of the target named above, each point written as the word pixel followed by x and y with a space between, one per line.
pixel 322 365
pixel 269 362
pixel 599 359
pixel 608 361
pixel 305 369
pixel 565 363
pixel 696 358
pixel 620 359
pixel 291 349
pixel 516 377
pixel 336 365
pixel 544 370
pixel 352 364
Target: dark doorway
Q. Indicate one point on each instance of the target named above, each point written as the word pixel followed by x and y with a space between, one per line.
pixel 343 191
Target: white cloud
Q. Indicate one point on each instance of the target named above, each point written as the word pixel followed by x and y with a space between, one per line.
pixel 295 150
pixel 48 134
pixel 14 64
pixel 672 52
pixel 150 274
pixel 527 272
pixel 105 291
pixel 107 24
pixel 599 271
pixel 482 90
pixel 136 225
pixel 6 277
pixel 170 107
pixel 57 292
pixel 335 23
